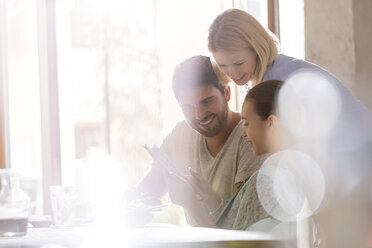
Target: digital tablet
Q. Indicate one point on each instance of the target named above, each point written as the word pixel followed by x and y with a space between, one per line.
pixel 162 159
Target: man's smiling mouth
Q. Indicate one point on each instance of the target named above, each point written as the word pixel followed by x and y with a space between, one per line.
pixel 206 121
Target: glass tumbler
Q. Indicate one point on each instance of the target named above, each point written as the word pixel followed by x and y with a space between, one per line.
pixel 63 200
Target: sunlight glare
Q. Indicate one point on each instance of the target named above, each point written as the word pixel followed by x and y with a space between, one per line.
pixel 309 104
pixel 107 186
pixel 290 185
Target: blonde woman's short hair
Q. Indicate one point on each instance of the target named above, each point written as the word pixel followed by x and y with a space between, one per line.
pixel 235 30
pixel 223 79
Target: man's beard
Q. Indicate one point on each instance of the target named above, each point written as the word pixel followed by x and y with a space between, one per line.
pixel 220 123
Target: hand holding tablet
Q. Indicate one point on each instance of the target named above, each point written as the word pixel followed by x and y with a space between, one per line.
pixel 162 160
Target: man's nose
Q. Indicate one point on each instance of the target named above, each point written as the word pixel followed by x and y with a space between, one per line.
pixel 199 113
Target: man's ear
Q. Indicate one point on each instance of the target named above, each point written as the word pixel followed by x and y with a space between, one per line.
pixel 227 92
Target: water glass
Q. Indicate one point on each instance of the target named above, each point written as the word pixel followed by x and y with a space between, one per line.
pixel 63 200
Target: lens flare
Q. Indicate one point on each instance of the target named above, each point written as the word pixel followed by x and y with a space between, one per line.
pixel 290 185
pixel 309 104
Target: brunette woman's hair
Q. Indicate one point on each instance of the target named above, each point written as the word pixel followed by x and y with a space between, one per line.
pixel 264 97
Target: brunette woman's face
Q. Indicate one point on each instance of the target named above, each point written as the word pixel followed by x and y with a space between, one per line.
pixel 238 65
pixel 255 129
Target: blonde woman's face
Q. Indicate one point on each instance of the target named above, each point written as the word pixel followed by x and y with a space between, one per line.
pixel 238 65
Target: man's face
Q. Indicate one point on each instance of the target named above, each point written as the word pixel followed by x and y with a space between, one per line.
pixel 205 109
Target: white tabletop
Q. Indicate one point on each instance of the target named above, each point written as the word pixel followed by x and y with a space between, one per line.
pixel 152 236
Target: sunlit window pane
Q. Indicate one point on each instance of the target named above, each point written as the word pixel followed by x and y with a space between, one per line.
pixel 115 61
pixel 107 45
pixel 292 34
pixel 24 96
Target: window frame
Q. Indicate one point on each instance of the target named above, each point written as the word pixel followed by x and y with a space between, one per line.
pixel 49 108
pixel 49 100
pixel 273 21
pixel 4 103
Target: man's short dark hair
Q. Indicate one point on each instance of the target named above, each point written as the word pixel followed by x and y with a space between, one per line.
pixel 195 71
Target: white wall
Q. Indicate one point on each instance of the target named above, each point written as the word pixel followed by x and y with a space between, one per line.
pixel 338 37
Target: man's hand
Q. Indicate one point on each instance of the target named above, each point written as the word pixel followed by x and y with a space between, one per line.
pixel 202 188
pixel 180 191
pixel 136 207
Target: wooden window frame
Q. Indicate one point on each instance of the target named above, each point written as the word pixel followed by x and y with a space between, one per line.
pixel 4 104
pixel 273 21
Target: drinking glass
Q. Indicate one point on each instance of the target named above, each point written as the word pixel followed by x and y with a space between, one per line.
pixel 63 200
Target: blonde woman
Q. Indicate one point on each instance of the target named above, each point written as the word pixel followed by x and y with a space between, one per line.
pixel 247 52
pixel 241 46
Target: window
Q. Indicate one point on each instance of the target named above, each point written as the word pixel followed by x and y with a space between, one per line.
pixel 89 84
pixel 21 64
pixel 285 18
pixel 292 34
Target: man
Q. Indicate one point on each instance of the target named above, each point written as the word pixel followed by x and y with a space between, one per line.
pixel 209 141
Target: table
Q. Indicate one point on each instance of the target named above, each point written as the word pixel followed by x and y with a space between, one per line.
pixel 151 236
